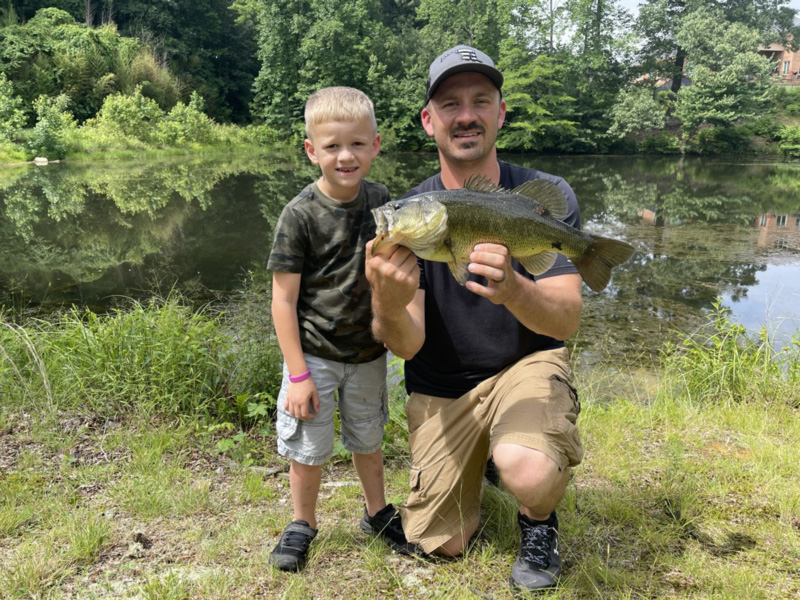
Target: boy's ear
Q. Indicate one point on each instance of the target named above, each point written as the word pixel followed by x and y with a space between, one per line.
pixel 312 155
pixel 376 145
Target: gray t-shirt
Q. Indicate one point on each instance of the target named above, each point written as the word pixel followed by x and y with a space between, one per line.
pixel 324 241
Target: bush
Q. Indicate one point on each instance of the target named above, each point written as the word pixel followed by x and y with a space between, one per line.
pixel 53 124
pixel 662 143
pixel 734 139
pixel 12 117
pixel 789 144
pixel 186 124
pixel 133 116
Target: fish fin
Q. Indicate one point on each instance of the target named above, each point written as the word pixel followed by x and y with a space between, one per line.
pixel 551 200
pixel 602 255
pixel 481 183
pixel 538 263
pixel 459 270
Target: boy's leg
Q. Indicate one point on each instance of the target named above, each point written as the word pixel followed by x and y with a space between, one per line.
pixel 304 482
pixel 370 471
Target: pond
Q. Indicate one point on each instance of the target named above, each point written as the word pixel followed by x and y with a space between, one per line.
pixel 89 233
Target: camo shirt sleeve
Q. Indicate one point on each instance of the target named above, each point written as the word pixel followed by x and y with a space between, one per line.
pixel 324 240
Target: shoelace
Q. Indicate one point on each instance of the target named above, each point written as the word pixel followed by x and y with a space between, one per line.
pixel 536 545
pixel 296 540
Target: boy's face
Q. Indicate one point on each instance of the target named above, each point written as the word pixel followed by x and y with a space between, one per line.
pixel 344 151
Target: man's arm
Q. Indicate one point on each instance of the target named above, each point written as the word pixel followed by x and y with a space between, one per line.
pixel 551 306
pixel 398 305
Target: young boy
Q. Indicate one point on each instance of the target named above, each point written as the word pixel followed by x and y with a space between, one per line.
pixel 321 307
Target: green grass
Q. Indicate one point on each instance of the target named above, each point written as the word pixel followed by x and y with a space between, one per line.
pixel 688 488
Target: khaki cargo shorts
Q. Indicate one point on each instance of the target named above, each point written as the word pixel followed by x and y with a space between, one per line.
pixel 531 403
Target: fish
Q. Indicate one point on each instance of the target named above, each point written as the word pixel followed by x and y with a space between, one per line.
pixel 444 226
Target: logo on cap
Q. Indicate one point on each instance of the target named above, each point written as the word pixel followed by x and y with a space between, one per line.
pixel 469 55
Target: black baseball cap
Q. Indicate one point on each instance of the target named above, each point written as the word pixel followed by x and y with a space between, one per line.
pixel 461 59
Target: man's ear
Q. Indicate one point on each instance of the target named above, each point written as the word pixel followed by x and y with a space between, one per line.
pixel 426 121
pixel 502 116
pixel 312 155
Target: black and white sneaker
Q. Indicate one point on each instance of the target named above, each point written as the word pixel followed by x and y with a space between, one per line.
pixel 292 549
pixel 538 564
pixel 387 524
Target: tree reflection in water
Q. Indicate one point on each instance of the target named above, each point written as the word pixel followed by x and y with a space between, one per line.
pixel 87 233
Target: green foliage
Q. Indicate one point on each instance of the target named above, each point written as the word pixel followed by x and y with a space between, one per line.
pixel 51 55
pixel 53 124
pixel 12 117
pixel 637 111
pixel 730 79
pixel 185 124
pixel 660 143
pixel 789 144
pixel 133 116
pixel 155 357
pixel 722 140
pixel 723 364
pixel 536 105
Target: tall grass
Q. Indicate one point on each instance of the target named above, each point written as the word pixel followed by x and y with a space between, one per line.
pixel 161 357
pixel 723 363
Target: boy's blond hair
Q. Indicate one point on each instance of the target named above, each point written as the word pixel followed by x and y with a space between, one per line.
pixel 338 103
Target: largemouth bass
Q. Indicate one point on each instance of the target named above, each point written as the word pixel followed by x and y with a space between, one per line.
pixel 444 226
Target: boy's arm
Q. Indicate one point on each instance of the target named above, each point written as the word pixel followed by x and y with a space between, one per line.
pixel 302 400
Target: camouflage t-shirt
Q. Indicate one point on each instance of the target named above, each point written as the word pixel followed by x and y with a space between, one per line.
pixel 324 240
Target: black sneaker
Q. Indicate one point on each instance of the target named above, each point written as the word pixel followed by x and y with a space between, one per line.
pixel 491 475
pixel 538 564
pixel 387 524
pixel 292 549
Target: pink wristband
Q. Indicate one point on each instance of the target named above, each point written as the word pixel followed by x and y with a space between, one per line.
pixel 300 378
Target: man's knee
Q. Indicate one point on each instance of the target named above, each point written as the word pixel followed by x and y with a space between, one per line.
pixel 526 469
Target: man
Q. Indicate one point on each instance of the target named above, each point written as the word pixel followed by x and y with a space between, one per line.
pixel 486 366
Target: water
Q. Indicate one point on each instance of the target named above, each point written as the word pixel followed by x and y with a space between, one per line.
pixel 89 233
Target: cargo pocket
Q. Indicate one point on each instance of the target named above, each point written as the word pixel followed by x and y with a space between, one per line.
pixel 563 410
pixel 287 426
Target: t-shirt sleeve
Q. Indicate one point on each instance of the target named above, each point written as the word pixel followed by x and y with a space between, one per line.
pixel 289 246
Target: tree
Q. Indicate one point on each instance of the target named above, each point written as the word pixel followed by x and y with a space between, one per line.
pixel 730 79
pixel 663 56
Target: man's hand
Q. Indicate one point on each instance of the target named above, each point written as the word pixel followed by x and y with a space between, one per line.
pixel 493 261
pixel 398 305
pixel 393 274
pixel 550 306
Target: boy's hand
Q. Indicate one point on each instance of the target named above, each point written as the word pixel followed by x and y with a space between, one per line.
pixel 302 400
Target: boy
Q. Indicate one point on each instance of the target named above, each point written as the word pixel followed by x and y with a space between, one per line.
pixel 321 309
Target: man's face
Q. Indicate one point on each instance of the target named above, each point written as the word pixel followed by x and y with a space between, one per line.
pixel 464 116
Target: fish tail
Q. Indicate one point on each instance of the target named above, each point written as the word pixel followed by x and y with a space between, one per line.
pixel 602 255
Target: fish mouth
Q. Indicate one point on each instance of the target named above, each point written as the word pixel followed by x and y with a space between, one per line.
pixel 379 241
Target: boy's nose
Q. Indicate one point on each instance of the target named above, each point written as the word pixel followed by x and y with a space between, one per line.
pixel 345 154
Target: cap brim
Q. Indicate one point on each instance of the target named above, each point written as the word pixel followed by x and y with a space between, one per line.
pixel 495 76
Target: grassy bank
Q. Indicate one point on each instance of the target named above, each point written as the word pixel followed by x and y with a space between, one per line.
pixel 137 461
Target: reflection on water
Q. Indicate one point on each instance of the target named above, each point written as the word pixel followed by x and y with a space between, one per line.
pixel 87 233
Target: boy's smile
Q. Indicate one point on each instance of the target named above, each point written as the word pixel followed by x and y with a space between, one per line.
pixel 344 151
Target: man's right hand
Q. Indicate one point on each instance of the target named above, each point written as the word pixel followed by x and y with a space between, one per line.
pixel 393 274
pixel 398 305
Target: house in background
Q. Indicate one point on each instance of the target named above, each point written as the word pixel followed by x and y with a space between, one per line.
pixel 787 63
